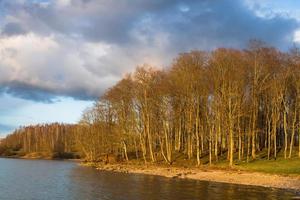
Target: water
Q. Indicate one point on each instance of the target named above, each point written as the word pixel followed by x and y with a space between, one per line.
pixel 42 179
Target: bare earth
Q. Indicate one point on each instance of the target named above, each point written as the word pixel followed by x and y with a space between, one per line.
pixel 224 176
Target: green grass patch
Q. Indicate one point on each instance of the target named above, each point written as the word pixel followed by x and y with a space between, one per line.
pixel 279 166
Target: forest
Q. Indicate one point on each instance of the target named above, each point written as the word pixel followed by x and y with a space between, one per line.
pixel 225 105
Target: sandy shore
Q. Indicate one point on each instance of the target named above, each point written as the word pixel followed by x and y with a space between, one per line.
pixel 224 176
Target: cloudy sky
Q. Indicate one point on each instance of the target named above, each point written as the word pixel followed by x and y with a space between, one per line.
pixel 57 56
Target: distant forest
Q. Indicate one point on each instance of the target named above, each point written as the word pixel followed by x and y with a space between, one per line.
pixel 206 107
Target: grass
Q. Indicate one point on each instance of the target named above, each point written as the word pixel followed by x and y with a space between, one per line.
pixel 280 166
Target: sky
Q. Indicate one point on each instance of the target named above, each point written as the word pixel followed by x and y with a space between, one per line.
pixel 58 56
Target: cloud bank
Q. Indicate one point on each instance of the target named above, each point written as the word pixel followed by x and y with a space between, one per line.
pixel 79 48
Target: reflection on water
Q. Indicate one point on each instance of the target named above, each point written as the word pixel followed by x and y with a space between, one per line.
pixel 24 179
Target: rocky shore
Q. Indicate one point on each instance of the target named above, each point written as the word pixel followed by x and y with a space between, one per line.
pixel 207 174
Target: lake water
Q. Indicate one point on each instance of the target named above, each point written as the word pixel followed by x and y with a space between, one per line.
pixel 43 179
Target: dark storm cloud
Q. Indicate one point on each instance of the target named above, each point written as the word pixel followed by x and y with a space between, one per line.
pixel 13 29
pixel 134 32
pixel 26 91
pixel 220 22
pixel 109 21
pixel 211 24
pixel 41 94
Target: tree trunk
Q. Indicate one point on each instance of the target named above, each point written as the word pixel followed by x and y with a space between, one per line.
pixel 178 137
pixel 285 134
pixel 269 138
pixel 136 149
pixel 216 140
pixel 293 133
pixel 125 150
pixel 198 142
pixel 143 146
pixel 299 141
pixel 210 144
pixel 168 143
pixel 150 139
pixel 274 138
pixel 240 139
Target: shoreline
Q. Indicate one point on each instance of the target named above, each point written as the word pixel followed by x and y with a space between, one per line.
pixel 203 173
pixel 207 174
pixel 42 158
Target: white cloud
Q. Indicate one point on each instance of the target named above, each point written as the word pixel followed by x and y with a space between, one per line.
pixel 271 8
pixel 63 3
pixel 297 36
pixel 69 66
pixel 55 64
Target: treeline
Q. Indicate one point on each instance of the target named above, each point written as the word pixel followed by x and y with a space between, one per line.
pixel 225 104
pixel 54 140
